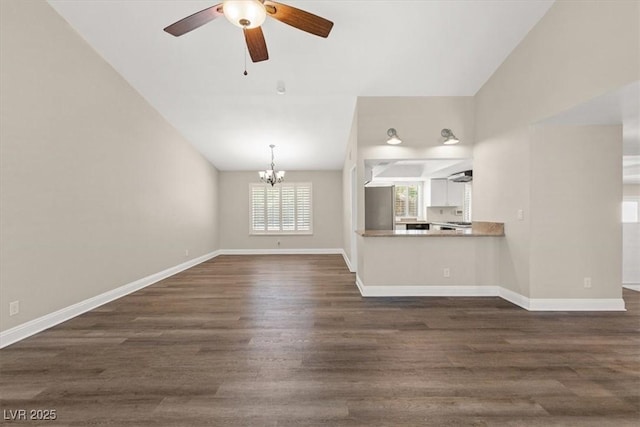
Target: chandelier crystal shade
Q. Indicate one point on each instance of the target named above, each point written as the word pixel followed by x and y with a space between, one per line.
pixel 271 176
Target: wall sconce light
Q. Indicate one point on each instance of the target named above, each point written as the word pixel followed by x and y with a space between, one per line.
pixel 449 137
pixel 393 137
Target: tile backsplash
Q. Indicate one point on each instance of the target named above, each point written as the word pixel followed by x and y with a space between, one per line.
pixel 444 214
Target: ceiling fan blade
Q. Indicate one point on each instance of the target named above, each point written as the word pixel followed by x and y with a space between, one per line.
pixel 299 19
pixel 256 44
pixel 194 21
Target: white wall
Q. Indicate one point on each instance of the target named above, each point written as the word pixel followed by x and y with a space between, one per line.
pixel 97 189
pixel 327 212
pixel 420 261
pixel 418 121
pixel 631 254
pixel 631 241
pixel 501 176
pixel 575 211
pixel 442 214
pixel 565 60
pixel 631 191
pixel 350 160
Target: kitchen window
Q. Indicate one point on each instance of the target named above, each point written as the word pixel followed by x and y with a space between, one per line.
pixel 466 208
pixel 408 200
pixel 281 209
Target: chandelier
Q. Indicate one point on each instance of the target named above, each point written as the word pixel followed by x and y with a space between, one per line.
pixel 271 176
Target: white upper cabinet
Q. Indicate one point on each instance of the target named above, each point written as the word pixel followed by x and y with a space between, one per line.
pixel 438 192
pixel 455 193
pixel 446 193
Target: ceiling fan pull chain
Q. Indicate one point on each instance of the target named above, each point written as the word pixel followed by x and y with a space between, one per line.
pixel 245 61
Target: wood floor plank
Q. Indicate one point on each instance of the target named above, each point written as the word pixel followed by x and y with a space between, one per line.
pixel 287 340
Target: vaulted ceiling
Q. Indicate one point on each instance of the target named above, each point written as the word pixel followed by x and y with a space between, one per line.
pixel 376 48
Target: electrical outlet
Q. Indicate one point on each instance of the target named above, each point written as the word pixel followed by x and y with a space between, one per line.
pixel 446 272
pixel 14 308
pixel 520 214
pixel 587 282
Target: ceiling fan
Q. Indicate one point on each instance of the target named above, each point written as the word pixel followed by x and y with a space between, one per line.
pixel 249 15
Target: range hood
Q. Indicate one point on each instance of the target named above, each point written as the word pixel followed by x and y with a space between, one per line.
pixel 464 176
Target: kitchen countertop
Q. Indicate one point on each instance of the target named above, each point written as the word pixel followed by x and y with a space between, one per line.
pixel 412 221
pixel 450 224
pixel 478 229
pixel 423 221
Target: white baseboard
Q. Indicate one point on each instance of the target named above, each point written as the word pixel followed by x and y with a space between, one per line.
pixel 425 291
pixel 429 291
pixel 348 262
pixel 562 304
pixel 321 251
pixel 576 304
pixel 632 286
pixel 531 304
pixel 34 326
pixel 360 285
pixel 513 297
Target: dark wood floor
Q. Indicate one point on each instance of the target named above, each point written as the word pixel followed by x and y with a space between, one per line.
pixel 287 340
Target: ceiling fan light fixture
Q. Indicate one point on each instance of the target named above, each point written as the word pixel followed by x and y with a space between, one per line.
pixel 244 13
pixel 393 137
pixel 249 15
pixel 449 137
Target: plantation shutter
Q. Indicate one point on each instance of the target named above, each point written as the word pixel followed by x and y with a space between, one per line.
pixel 401 201
pixel 303 207
pixel 288 208
pixel 466 214
pixel 407 202
pixel 412 200
pixel 273 208
pixel 258 212
pixel 281 209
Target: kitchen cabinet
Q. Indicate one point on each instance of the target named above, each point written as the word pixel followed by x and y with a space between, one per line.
pixel 455 193
pixel 439 192
pixel 446 193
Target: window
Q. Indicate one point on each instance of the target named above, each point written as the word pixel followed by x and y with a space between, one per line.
pixel 466 207
pixel 407 203
pixel 281 209
pixel 630 211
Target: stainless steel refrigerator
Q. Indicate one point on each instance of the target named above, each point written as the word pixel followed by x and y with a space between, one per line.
pixel 379 211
